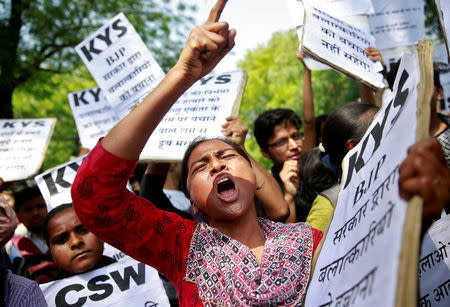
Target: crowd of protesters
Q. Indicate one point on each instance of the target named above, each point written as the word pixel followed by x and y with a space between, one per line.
pixel 218 207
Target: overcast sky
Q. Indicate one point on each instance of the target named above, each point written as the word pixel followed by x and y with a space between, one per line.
pixel 254 20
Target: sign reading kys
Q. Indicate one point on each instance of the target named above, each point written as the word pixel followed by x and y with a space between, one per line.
pixel 125 283
pixel 93 115
pixel 23 143
pixel 358 264
pixel 120 63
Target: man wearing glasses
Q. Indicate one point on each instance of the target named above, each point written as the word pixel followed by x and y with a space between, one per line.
pixel 278 136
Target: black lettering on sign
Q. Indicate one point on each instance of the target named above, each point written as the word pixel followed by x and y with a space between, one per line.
pixel 222 79
pixel 51 184
pixel 356 161
pixel 60 298
pixel 24 124
pixel 94 48
pixel 79 96
pixel 98 284
pixel 124 283
pixel 94 286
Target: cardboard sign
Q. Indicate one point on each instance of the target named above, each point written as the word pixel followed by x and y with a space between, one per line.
pixel 120 63
pixel 434 265
pixel 358 264
pixel 340 45
pixel 23 143
pixel 93 115
pixel 126 283
pixel 397 22
pixel 201 111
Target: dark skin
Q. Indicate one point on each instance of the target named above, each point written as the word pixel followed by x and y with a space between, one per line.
pixel 424 172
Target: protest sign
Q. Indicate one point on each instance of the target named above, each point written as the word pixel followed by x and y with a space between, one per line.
pixel 444 103
pixel 434 265
pixel 23 143
pixel 200 111
pixel 397 22
pixel 120 63
pixel 55 184
pixel 360 259
pixel 444 19
pixel 340 45
pixel 126 283
pixel 93 115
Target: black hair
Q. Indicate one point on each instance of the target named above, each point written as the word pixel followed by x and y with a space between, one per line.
pixel 55 211
pixel 190 149
pixel 390 76
pixel 320 120
pixel 266 122
pixel 314 177
pixel 347 122
pixel 25 193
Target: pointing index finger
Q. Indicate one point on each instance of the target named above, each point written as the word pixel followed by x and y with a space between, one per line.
pixel 216 11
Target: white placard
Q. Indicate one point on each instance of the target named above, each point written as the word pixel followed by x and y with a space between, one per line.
pixel 93 115
pixel 434 265
pixel 445 101
pixel 201 111
pixel 23 143
pixel 125 283
pixel 340 45
pixel 397 22
pixel 358 264
pixel 121 64
pixel 55 184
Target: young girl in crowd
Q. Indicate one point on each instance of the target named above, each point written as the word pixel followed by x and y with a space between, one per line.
pixel 231 258
pixel 74 249
pixel 320 169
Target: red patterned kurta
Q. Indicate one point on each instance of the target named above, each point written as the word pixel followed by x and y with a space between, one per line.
pixel 204 265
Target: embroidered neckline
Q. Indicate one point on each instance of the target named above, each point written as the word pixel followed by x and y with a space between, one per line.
pixel 227 272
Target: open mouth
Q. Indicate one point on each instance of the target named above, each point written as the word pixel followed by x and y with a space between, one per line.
pixel 225 187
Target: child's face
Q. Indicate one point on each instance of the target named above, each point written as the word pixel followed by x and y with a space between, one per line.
pixel 74 248
pixel 32 213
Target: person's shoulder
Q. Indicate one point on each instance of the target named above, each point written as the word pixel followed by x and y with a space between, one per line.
pixel 444 118
pixel 20 290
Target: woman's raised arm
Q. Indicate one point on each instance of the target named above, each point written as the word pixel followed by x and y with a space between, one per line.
pixel 205 47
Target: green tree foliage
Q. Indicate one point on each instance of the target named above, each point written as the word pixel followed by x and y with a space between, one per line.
pixel 39 35
pixel 275 79
pixel 44 96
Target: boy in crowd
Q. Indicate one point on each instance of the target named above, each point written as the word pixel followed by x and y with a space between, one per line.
pixel 74 249
pixel 28 251
pixel 14 290
pixel 278 136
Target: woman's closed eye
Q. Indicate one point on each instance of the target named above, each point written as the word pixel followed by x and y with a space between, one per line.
pixel 60 239
pixel 198 168
pixel 229 156
pixel 81 229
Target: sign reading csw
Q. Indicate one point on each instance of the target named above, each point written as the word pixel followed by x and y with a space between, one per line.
pixel 120 63
pixel 341 46
pixel 23 143
pixel 434 265
pixel 93 115
pixel 125 283
pixel 358 264
pixel 200 111
pixel 397 22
